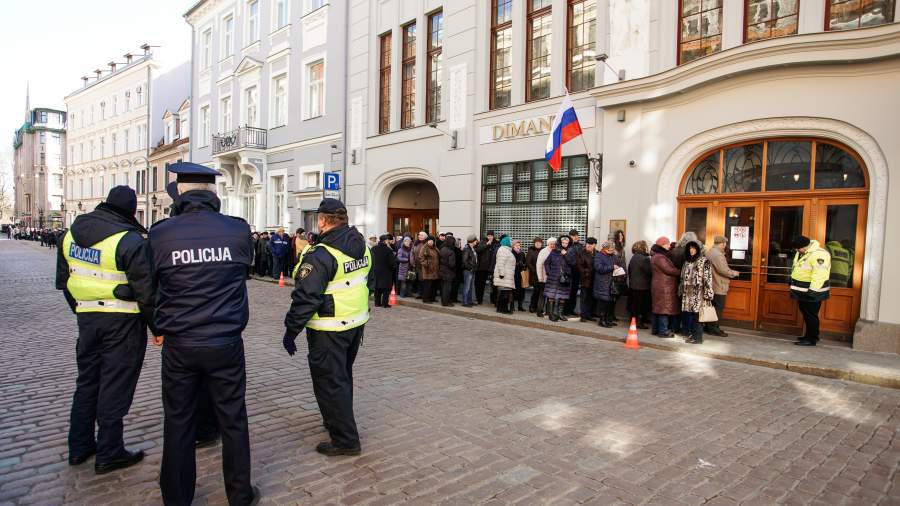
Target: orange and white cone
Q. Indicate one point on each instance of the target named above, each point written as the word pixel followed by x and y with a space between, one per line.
pixel 392 301
pixel 281 280
pixel 631 342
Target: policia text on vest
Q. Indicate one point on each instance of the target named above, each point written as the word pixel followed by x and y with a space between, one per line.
pixel 331 301
pixel 104 272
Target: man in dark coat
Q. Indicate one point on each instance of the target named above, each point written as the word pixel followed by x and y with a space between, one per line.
pixel 383 263
pixel 484 269
pixel 604 265
pixel 537 291
pixel 576 247
pixel 584 265
pixel 448 263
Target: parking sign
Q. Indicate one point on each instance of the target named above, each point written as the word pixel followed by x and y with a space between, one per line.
pixel 332 181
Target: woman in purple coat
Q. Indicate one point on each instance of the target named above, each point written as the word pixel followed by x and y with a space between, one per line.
pixel 558 267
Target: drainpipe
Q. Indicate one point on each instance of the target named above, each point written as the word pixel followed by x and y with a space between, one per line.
pixel 190 156
pixel 346 167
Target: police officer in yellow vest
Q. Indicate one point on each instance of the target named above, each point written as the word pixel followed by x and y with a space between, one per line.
pixel 103 268
pixel 841 264
pixel 331 300
pixel 810 285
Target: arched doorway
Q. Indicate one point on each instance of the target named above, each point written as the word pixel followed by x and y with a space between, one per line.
pixel 413 206
pixel 761 194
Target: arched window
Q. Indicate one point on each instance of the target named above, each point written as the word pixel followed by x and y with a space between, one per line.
pixel 775 165
pixel 851 14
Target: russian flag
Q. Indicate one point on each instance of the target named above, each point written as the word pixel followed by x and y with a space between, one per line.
pixel 565 128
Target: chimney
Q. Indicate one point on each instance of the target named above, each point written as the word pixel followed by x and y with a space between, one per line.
pixel 128 57
pixel 112 66
pixel 146 48
pixel 98 72
pixel 85 79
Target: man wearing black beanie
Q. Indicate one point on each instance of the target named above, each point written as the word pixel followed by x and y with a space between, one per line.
pixel 103 269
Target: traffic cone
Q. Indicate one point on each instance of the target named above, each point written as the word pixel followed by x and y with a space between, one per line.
pixel 392 301
pixel 631 342
pixel 281 280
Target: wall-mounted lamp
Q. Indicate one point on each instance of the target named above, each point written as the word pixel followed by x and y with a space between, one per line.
pixel 602 57
pixel 451 134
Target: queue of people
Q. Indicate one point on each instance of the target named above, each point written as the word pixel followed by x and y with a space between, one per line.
pixel 49 238
pixel 277 253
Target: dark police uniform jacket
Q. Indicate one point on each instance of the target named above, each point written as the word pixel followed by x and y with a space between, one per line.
pixel 201 260
pixel 318 269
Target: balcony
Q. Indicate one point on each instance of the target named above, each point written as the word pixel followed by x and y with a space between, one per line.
pixel 240 138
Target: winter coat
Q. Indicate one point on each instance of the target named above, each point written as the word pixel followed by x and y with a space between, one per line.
pixel 447 261
pixel 505 268
pixel 485 252
pixel 531 263
pixel 539 265
pixel 469 258
pixel 696 281
pixel 584 263
pixel 603 278
pixel 429 262
pixel 676 254
pixel 664 283
pixel 280 244
pixel 555 266
pixel 383 263
pixel 404 255
pixel 639 272
pixel 721 273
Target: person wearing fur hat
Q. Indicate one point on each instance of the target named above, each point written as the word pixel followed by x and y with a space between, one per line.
pixel 696 290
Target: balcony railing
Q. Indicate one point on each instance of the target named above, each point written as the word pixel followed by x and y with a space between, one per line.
pixel 239 138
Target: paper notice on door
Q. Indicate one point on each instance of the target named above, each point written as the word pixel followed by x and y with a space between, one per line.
pixel 738 254
pixel 740 238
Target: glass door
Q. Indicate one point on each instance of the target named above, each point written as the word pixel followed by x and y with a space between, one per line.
pixel 841 226
pixel 784 221
pixel 741 221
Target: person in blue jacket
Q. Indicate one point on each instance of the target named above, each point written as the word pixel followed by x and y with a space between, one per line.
pixel 201 261
pixel 281 249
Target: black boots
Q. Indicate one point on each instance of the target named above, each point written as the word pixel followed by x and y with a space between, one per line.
pixel 560 313
pixel 551 310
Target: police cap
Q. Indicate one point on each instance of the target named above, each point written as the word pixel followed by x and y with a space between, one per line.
pixel 331 206
pixel 187 172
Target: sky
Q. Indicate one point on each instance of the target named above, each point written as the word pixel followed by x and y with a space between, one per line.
pixel 50 44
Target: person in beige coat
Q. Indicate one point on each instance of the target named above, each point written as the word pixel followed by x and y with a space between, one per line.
pixel 721 277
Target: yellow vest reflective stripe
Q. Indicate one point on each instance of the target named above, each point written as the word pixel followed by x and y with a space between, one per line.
pixel 348 290
pixel 811 270
pixel 93 276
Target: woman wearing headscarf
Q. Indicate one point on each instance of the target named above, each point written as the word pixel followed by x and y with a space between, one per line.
pixel 429 261
pixel 519 295
pixel 677 254
pixel 404 255
pixel 558 269
pixel 504 276
pixel 663 288
pixel 383 263
pixel 620 276
pixel 696 290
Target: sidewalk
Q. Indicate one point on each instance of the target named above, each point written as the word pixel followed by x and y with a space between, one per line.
pixel 828 360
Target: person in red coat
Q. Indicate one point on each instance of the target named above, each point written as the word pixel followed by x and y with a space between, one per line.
pixel 663 288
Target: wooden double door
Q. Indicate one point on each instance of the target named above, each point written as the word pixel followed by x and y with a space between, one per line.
pixel 412 221
pixel 760 235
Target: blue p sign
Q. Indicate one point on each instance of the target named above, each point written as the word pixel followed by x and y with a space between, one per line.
pixel 332 181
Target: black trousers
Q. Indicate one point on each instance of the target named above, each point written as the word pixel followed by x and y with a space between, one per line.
pixel 480 280
pixel 109 352
pixel 810 311
pixel 382 296
pixel 219 370
pixel 428 289
pixel 446 291
pixel 587 303
pixel 331 357
pixel 454 289
pixel 537 297
pixel 718 304
pixel 569 305
pixel 639 305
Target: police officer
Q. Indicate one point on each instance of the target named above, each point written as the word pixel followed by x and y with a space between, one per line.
pixel 331 300
pixel 202 260
pixel 810 285
pixel 103 269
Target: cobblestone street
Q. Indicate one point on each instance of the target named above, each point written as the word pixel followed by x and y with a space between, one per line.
pixel 459 411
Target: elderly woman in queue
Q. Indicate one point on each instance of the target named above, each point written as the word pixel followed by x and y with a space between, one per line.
pixel 558 268
pixel 404 257
pixel 663 288
pixel 521 269
pixel 537 291
pixel 505 276
pixel 639 275
pixel 604 265
pixel 696 290
pixel 429 261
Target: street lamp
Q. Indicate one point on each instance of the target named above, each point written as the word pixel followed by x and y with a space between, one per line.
pixel 153 200
pixel 80 206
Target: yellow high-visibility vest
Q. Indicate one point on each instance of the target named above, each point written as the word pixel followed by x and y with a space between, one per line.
pixel 811 273
pixel 93 276
pixel 349 290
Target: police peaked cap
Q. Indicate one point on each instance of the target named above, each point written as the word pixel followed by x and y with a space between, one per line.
pixel 331 206
pixel 187 172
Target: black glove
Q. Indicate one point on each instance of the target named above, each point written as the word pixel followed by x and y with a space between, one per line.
pixel 288 342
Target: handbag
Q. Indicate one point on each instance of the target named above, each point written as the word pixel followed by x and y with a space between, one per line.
pixel 708 314
pixel 410 275
pixel 564 279
pixel 525 279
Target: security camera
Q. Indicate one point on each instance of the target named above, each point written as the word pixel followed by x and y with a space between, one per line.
pixel 601 57
pixel 631 163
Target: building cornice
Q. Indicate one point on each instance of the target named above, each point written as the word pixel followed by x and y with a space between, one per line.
pixel 111 77
pixel 824 48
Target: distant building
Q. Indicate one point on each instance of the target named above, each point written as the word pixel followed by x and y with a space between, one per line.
pixel 269 81
pixel 38 161
pixel 172 148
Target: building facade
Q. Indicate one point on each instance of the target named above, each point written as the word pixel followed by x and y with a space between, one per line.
pixel 174 147
pixel 753 119
pixel 38 161
pixel 268 111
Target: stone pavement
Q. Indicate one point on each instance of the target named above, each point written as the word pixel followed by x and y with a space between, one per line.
pixel 455 410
